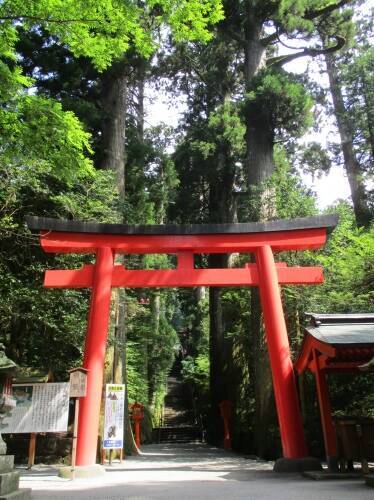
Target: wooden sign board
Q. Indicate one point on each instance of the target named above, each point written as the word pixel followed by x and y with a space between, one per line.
pixel 78 383
pixel 39 408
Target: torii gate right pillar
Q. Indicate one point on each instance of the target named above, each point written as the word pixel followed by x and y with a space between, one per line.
pixel 286 398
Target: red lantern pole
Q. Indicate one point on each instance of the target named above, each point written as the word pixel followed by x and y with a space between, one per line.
pixel 226 414
pixel 94 356
pixel 289 416
pixel 137 433
pixel 137 416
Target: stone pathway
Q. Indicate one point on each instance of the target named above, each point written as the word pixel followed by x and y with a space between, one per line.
pixel 190 472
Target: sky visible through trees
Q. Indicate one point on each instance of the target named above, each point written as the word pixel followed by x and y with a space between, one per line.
pixel 328 187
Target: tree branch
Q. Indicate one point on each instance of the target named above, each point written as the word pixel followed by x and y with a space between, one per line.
pixel 237 37
pixel 280 60
pixel 312 14
pixel 46 19
pixel 267 40
pixel 309 15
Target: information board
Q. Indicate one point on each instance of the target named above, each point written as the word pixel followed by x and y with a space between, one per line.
pixel 39 408
pixel 113 420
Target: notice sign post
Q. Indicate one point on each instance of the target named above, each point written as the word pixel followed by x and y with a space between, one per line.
pixel 78 389
pixel 114 415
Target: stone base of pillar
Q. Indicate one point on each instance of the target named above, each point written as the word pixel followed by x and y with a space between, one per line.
pixel 80 471
pixel 369 480
pixel 297 464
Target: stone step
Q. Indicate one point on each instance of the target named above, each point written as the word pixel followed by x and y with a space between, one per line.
pixel 23 494
pixel 8 482
pixel 6 463
pixel 180 440
pixel 182 434
pixel 369 479
pixel 177 422
pixel 179 416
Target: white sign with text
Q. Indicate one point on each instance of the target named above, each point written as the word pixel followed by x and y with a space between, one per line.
pixel 39 408
pixel 114 411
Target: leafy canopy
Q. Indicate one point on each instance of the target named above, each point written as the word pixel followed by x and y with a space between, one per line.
pixel 279 98
pixel 104 29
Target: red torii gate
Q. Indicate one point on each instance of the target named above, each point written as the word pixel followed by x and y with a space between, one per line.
pixel 261 239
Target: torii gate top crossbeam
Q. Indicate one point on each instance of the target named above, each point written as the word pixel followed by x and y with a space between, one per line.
pixel 63 236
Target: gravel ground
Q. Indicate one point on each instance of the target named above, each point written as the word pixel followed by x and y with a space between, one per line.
pixel 190 472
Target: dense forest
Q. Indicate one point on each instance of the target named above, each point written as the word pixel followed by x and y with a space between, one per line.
pixel 77 81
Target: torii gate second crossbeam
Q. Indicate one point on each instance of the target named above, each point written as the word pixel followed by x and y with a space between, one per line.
pixel 261 239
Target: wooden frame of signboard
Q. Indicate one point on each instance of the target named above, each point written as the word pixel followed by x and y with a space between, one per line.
pixel 78 389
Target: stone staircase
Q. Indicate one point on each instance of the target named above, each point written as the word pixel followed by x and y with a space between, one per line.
pixel 179 424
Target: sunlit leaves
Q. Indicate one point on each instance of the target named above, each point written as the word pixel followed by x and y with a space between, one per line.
pixel 105 29
pixel 279 99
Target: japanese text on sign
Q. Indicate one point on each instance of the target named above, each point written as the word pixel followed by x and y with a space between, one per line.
pixel 39 408
pixel 113 421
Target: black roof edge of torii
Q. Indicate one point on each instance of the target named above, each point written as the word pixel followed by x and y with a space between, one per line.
pixel 78 226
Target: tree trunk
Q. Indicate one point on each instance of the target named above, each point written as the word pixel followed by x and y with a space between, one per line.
pixel 259 135
pixel 260 166
pixel 217 352
pixel 114 132
pixel 221 210
pixel 265 414
pixel 369 110
pixel 114 124
pixel 351 164
pixel 155 308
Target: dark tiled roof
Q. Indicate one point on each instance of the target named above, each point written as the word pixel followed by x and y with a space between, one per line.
pixel 326 319
pixel 343 333
pixel 341 338
pixel 44 223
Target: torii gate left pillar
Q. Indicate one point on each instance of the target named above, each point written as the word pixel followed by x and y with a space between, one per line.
pixel 260 239
pixel 94 356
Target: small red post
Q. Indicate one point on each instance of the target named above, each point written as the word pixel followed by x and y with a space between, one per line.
pixel 329 433
pixel 32 447
pixel 289 415
pixel 75 433
pixel 226 413
pixel 94 356
pixel 137 416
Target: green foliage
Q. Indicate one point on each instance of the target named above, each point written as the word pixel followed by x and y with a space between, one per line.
pixel 355 66
pixel 151 178
pixel 284 191
pixel 188 19
pixel 280 99
pixel 349 268
pixel 152 345
pixel 227 128
pixel 296 15
pixel 196 373
pixel 314 159
pixel 44 328
pixel 291 197
pixel 105 29
pixel 37 133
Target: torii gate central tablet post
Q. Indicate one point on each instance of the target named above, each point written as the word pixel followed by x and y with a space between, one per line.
pixel 262 239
